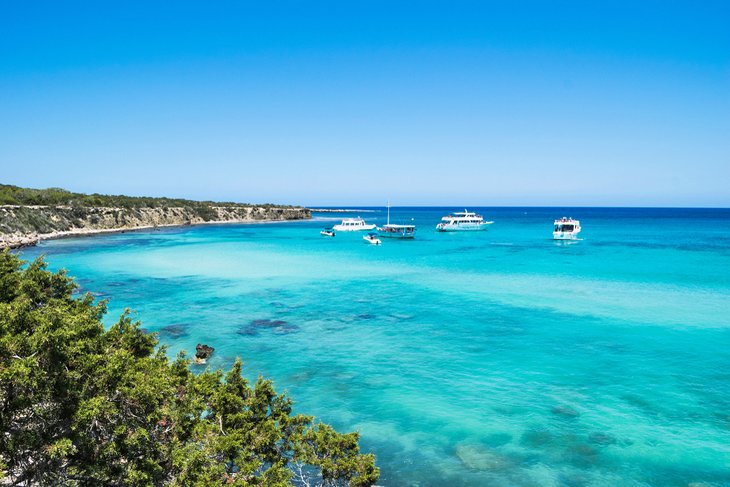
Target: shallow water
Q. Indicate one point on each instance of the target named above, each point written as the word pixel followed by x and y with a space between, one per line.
pixel 490 358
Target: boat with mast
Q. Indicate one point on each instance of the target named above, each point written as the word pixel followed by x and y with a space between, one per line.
pixel 393 230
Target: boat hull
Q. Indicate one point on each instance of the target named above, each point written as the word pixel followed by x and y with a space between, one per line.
pixel 399 233
pixel 357 228
pixel 565 235
pixel 463 227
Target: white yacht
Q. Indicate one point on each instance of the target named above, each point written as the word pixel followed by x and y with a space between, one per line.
pixel 353 225
pixel 392 230
pixel 462 221
pixel 566 229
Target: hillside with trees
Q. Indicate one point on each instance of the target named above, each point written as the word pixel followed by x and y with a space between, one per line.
pixel 30 215
pixel 15 195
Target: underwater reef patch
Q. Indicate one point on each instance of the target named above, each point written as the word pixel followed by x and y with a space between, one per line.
pixel 177 330
pixel 279 327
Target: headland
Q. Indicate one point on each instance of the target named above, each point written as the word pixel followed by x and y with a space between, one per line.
pixel 28 216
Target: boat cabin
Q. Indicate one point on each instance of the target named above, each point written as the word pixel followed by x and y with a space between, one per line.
pixel 352 222
pixel 566 229
pixel 391 230
pixel 566 225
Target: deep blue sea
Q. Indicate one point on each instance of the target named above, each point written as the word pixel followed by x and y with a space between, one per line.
pixel 493 358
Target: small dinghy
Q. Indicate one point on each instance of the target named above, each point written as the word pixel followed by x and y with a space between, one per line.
pixel 327 232
pixel 372 238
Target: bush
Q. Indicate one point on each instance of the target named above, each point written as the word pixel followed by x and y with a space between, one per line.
pixel 81 405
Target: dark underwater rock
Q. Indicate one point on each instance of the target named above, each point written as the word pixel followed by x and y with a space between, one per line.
pixel 565 411
pixel 177 330
pixel 536 438
pixel 279 327
pixel 581 454
pixel 602 439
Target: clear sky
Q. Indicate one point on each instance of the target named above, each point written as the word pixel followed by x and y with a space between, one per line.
pixel 352 103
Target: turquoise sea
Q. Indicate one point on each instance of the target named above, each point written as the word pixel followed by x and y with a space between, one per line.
pixel 494 358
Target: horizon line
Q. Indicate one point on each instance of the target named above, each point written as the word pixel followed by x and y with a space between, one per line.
pixel 355 207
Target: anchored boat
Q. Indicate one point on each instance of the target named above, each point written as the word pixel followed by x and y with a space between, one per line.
pixel 566 229
pixel 392 230
pixel 353 225
pixel 462 221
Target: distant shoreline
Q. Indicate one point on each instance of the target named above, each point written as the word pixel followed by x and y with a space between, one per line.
pixel 21 241
pixel 341 210
pixel 29 216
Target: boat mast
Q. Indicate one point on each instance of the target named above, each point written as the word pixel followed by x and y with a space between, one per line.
pixel 388 212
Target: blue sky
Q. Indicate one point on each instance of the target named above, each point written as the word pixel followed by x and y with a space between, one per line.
pixel 352 103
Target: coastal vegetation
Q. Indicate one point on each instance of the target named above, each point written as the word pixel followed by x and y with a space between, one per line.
pixel 28 215
pixel 15 195
pixel 85 405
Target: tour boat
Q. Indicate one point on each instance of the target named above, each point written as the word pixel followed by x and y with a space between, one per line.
pixel 392 230
pixel 372 238
pixel 462 221
pixel 327 232
pixel 353 225
pixel 397 231
pixel 566 229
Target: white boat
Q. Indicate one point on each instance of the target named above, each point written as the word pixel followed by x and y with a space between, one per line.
pixel 392 230
pixel 566 229
pixel 327 232
pixel 462 221
pixel 372 238
pixel 353 225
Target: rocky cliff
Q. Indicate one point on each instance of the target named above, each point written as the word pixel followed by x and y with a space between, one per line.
pixel 26 225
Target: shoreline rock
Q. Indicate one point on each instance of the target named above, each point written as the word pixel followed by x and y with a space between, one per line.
pixel 18 241
pixel 203 353
pixel 65 221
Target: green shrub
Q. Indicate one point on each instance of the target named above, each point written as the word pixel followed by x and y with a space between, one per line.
pixel 81 405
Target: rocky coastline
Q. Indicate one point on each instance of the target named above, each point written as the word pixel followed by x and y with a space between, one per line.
pixel 22 226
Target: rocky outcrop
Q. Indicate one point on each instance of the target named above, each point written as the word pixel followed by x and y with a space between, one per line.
pixel 27 225
pixel 203 353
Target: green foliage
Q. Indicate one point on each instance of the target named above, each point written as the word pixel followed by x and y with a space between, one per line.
pixel 81 405
pixel 14 195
